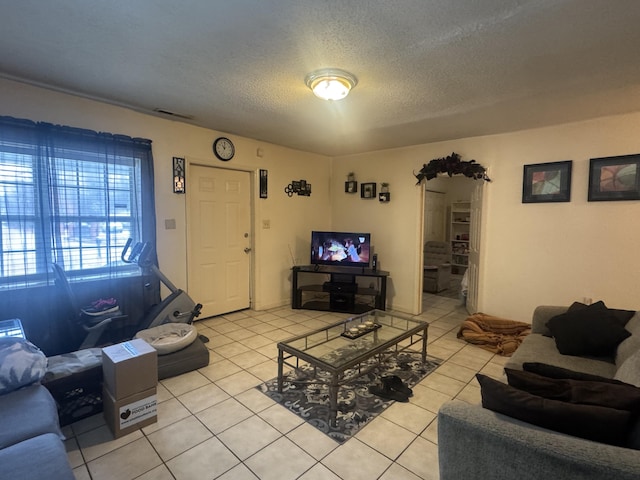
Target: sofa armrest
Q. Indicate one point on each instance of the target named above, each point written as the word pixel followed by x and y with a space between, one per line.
pixel 476 443
pixel 541 315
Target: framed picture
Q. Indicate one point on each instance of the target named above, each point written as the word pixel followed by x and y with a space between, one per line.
pixel 547 182
pixel 367 190
pixel 263 183
pixel 351 186
pixel 614 178
pixel 305 190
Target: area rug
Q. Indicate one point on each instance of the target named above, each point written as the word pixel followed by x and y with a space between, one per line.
pixel 356 405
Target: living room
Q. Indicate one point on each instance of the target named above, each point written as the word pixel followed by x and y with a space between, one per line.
pixel 530 254
pixel 558 252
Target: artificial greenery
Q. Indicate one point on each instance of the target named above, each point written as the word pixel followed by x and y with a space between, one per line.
pixel 452 165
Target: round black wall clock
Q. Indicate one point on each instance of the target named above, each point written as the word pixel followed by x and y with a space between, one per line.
pixel 224 149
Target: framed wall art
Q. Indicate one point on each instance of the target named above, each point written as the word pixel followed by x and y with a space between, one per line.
pixel 367 190
pixel 350 186
pixel 264 177
pixel 614 178
pixel 547 182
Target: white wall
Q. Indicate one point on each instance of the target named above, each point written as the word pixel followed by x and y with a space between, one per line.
pixel 291 219
pixel 531 253
pixel 558 253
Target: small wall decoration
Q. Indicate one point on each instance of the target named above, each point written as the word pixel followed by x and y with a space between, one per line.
pixel 263 183
pixel 351 186
pixel 384 195
pixel 301 187
pixel 614 178
pixel 178 175
pixel 367 190
pixel 547 182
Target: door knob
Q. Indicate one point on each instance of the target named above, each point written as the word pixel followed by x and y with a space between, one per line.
pixel 247 249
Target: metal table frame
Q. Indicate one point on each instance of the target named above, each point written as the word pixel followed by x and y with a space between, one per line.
pixel 287 352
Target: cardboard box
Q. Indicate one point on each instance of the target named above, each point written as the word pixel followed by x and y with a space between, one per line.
pixel 129 414
pixel 129 367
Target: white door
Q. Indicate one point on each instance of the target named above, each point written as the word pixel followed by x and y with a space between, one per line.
pixel 218 239
pixel 434 216
pixel 474 246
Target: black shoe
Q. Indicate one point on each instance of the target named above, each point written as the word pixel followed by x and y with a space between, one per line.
pixel 385 392
pixel 395 383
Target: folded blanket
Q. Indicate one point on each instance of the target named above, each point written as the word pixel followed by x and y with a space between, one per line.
pixel 498 335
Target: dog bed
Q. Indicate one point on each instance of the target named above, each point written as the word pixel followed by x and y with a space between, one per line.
pixel 169 337
pixel 190 358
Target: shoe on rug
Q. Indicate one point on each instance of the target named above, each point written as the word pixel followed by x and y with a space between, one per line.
pixel 384 391
pixel 395 383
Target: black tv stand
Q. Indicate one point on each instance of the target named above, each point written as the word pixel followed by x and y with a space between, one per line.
pixel 339 290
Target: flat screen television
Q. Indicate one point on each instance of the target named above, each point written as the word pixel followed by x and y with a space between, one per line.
pixel 343 249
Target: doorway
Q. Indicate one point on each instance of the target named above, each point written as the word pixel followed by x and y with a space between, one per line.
pixel 444 199
pixel 219 238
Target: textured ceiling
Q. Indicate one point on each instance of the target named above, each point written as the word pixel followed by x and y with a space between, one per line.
pixel 427 70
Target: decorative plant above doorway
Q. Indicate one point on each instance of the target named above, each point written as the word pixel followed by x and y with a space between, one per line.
pixel 452 165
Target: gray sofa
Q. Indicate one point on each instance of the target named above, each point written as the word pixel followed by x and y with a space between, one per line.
pixel 31 443
pixel 476 443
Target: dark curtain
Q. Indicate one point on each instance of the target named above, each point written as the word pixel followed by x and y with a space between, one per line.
pixel 71 196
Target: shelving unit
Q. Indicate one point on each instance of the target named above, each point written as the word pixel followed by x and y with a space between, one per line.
pixel 341 290
pixel 460 228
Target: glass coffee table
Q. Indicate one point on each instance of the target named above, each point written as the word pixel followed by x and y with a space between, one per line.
pixel 346 345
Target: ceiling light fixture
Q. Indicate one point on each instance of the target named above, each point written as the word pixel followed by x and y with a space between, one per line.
pixel 330 83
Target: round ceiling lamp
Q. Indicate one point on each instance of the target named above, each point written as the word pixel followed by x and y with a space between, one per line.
pixel 330 83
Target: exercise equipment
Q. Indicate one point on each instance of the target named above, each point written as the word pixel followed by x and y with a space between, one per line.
pixel 92 325
pixel 175 308
pixel 75 378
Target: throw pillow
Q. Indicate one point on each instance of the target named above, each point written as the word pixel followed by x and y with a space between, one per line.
pixel 552 388
pixel 621 316
pixel 621 397
pixel 601 424
pixel 552 371
pixel 21 364
pixel 588 331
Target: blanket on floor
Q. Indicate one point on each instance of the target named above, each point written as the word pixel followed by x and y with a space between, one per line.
pixel 498 335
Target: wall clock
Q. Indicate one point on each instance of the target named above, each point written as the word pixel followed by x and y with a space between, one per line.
pixel 224 149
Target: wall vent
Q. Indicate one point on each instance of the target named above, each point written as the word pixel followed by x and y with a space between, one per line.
pixel 173 114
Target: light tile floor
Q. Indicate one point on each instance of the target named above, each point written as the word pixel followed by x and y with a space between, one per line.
pixel 213 423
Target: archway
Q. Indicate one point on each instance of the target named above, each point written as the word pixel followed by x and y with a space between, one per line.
pixel 465 203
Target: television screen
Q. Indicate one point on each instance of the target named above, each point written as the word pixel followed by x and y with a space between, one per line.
pixel 346 249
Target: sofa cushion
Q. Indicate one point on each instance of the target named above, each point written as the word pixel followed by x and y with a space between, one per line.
pixel 552 371
pixel 25 413
pixel 537 346
pixel 632 344
pixel 584 392
pixel 21 364
pixel 592 330
pixel 601 424
pixel 43 456
pixel 629 371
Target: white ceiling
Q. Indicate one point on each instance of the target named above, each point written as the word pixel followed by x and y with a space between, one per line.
pixel 428 70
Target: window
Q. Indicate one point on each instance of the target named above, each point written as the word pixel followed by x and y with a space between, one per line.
pixel 70 196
